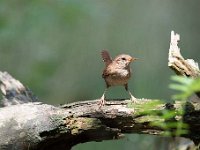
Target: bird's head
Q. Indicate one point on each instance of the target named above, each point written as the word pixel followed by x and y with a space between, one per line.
pixel 124 60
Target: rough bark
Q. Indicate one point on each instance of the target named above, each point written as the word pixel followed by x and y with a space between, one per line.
pixel 25 124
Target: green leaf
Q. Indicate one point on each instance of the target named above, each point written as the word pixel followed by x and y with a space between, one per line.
pixel 186 86
pixel 182 80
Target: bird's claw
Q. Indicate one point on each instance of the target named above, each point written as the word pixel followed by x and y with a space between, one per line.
pixel 102 103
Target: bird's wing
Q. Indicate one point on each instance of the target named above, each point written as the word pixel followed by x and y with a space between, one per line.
pixel 108 71
pixel 106 57
pixel 105 73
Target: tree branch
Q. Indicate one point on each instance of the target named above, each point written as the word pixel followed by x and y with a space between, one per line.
pixel 33 125
pixel 41 126
pixel 181 66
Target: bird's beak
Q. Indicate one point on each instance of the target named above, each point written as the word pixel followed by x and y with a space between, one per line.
pixel 133 59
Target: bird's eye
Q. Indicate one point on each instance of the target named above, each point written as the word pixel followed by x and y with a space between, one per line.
pixel 123 58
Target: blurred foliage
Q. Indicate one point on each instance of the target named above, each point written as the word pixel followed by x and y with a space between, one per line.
pixel 186 87
pixel 53 47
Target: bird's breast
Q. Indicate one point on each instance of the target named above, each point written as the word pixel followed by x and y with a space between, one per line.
pixel 120 77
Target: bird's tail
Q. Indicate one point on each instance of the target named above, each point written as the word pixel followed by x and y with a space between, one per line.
pixel 106 57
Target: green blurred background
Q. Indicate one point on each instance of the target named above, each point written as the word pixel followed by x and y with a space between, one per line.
pixel 53 47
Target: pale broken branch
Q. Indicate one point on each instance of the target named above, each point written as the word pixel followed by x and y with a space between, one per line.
pixel 184 67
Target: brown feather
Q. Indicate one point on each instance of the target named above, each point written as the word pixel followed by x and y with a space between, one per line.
pixel 106 57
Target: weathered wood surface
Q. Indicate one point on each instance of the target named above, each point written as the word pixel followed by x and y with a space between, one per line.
pixel 41 126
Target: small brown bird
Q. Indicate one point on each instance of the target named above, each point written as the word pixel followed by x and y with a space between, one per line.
pixel 117 72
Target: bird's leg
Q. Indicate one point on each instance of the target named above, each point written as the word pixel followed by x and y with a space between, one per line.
pixel 133 99
pixel 103 101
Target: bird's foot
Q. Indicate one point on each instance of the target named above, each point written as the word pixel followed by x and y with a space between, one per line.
pixel 134 100
pixel 102 101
